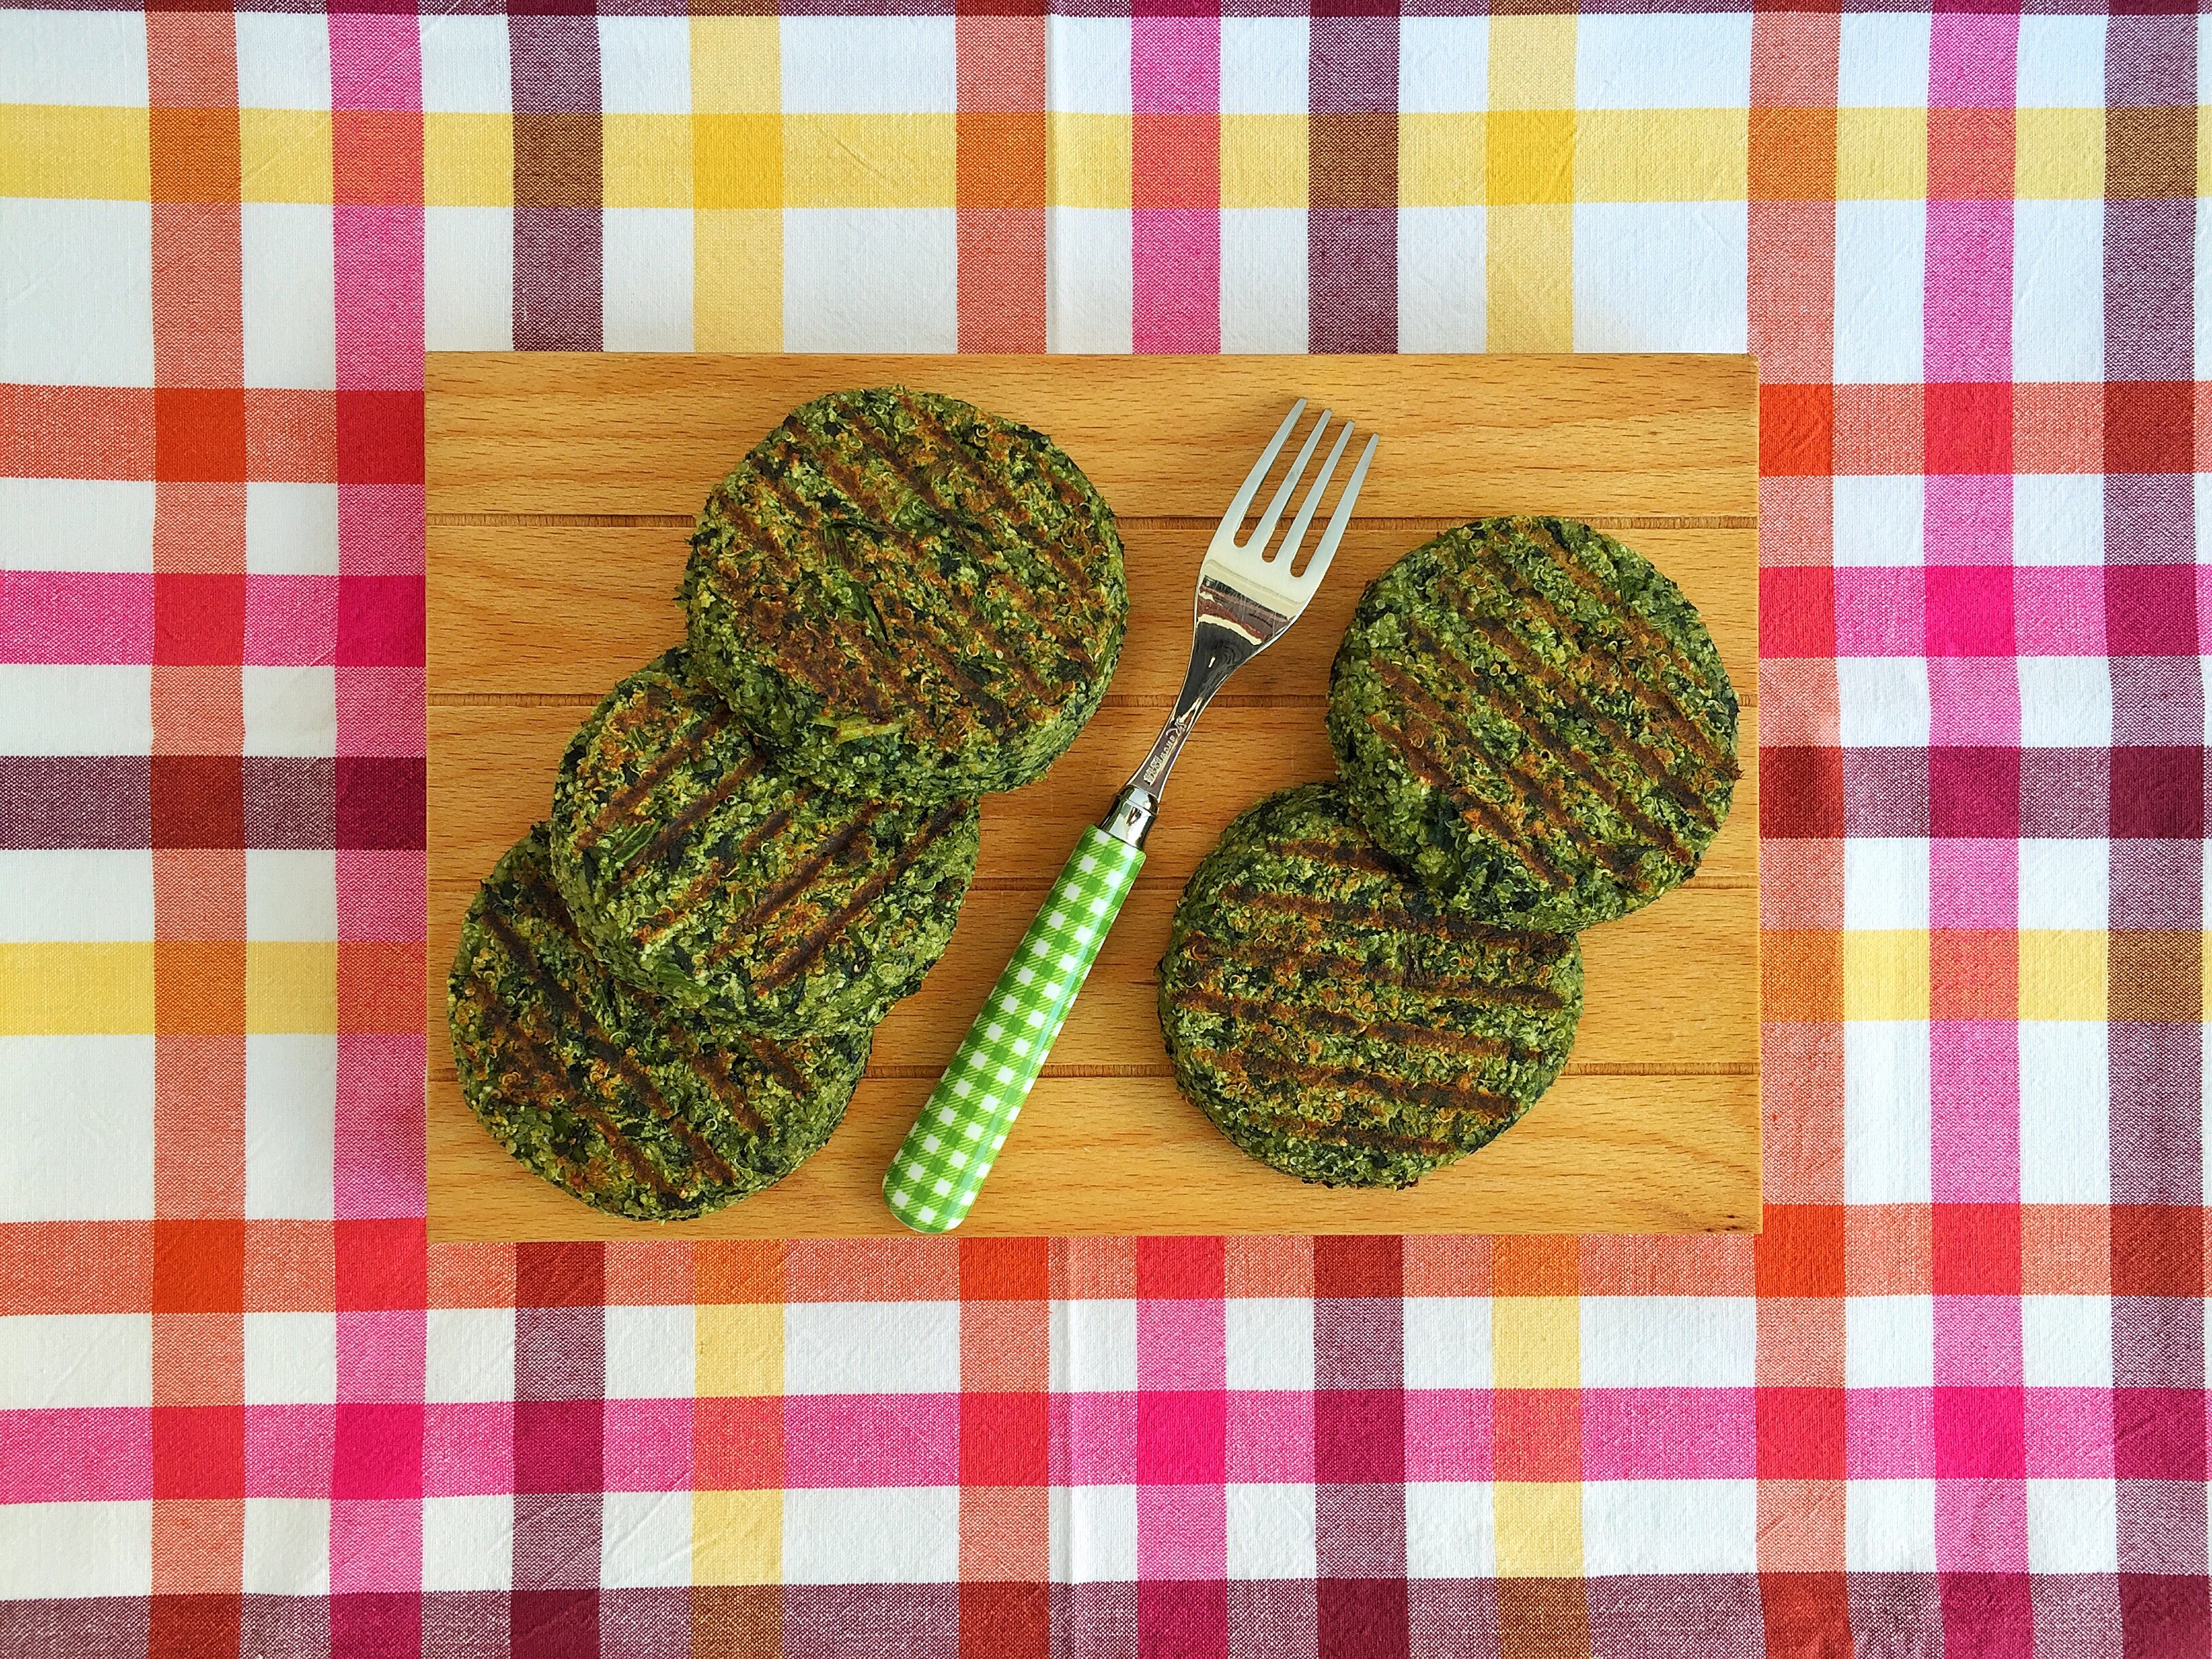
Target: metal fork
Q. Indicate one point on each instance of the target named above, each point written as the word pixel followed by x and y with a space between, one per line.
pixel 1248 595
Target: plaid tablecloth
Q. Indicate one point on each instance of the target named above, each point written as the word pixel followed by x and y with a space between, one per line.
pixel 1953 1399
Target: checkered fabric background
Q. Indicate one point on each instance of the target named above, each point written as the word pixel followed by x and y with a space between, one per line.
pixel 1953 1399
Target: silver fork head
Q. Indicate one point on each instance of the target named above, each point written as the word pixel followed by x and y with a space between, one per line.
pixel 1250 587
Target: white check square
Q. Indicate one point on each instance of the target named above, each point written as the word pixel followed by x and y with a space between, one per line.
pixel 1882 62
pixel 1880 521
pixel 55 709
pixel 468 1355
pixel 291 894
pixel 96 57
pixel 292 529
pixel 645 66
pixel 1087 64
pixel 74 894
pixel 287 1546
pixel 468 1543
pixel 1442 304
pixel 1447 1341
pixel 291 1358
pixel 871 1535
pixel 1264 66
pixel 1094 1345
pixel 62 263
pixel 1679 62
pixel 1669 1341
pixel 2061 62
pixel 1885 883
pixel 647 280
pixel 80 1117
pixel 287 304
pixel 1270 1343
pixel 465 65
pixel 1443 64
pixel 652 1353
pixel 1887 1112
pixel 2065 702
pixel 1094 1534
pixel 291 1116
pixel 2066 1341
pixel 75 1361
pixel 1087 274
pixel 468 273
pixel 283 60
pixel 870 279
pixel 2057 517
pixel 1883 702
pixel 1889 1526
pixel 1889 1341
pixel 2062 885
pixel 2058 290
pixel 49 1551
pixel 2065 1126
pixel 2073 1525
pixel 1645 1527
pixel 1270 1530
pixel 76 523
pixel 1659 275
pixel 289 711
pixel 645 1539
pixel 1880 248
pixel 871 1348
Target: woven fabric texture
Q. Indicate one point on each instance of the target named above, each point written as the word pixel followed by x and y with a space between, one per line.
pixel 1953 1398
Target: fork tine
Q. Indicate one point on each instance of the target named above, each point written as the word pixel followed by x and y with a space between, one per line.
pixel 1297 531
pixel 1317 566
pixel 1257 541
pixel 1258 475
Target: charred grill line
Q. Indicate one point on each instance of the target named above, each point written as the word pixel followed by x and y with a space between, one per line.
pixel 1577 765
pixel 620 1061
pixel 1648 637
pixel 1361 1083
pixel 940 643
pixel 714 1072
pixel 1407 740
pixel 679 828
pixel 1539 806
pixel 862 652
pixel 671 914
pixel 1044 544
pixel 817 938
pixel 1671 717
pixel 1215 1000
pixel 551 1086
pixel 695 733
pixel 794 884
pixel 1339 855
pixel 1395 921
pixel 777 1064
pixel 1201 948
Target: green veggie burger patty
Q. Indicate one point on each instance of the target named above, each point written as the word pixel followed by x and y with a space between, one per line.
pixel 904 596
pixel 736 889
pixel 1535 722
pixel 605 1091
pixel 1336 1023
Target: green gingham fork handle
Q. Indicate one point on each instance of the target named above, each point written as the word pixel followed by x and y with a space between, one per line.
pixel 940 1167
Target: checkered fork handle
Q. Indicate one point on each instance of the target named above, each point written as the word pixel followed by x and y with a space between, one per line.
pixel 940 1167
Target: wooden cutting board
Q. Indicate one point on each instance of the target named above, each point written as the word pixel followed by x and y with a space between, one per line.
pixel 562 492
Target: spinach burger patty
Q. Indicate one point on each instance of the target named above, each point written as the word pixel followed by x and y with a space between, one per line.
pixel 1535 721
pixel 904 596
pixel 1335 1021
pixel 736 888
pixel 608 1092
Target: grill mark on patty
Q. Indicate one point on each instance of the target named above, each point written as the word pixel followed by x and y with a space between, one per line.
pixel 565 1005
pixel 1671 717
pixel 1540 805
pixel 1360 1082
pixel 817 938
pixel 714 1070
pixel 984 466
pixel 793 884
pixel 670 915
pixel 679 828
pixel 1630 673
pixel 1557 553
pixel 864 653
pixel 1246 953
pixel 1562 749
pixel 778 1064
pixel 1397 921
pixel 956 517
pixel 940 643
pixel 1407 739
pixel 1211 1000
pixel 550 1088
pixel 1337 855
pixel 695 731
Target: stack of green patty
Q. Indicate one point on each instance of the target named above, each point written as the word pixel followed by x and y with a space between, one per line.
pixel 1368 979
pixel 665 995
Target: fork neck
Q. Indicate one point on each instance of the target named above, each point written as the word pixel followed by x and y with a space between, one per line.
pixel 1215 654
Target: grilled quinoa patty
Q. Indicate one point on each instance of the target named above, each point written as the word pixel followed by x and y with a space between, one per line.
pixel 736 888
pixel 904 596
pixel 1535 720
pixel 605 1091
pixel 1333 1021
